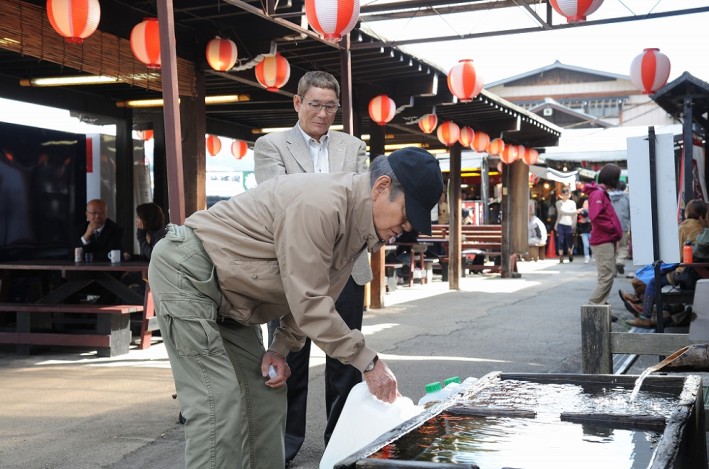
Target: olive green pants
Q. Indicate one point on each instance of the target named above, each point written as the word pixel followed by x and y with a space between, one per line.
pixel 233 420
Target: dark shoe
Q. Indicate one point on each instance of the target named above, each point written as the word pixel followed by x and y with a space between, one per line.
pixel 561 260
pixel 642 322
pixel 634 308
pixel 571 258
pixel 620 268
pixel 614 318
pixel 625 296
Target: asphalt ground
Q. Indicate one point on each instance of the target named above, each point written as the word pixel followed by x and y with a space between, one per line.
pixel 70 409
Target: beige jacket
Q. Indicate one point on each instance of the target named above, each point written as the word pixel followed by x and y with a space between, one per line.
pixel 286 152
pixel 281 248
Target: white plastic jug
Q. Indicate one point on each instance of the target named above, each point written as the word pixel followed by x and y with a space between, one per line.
pixel 434 393
pixel 363 419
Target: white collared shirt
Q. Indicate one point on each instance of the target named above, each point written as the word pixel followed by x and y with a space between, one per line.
pixel 318 151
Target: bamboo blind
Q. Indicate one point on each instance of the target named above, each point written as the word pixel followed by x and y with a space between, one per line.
pixel 25 29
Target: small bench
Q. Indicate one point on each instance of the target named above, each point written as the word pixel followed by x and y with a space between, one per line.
pixel 391 278
pixel 34 326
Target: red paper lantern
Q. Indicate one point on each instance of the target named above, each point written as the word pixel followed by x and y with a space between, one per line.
pixel 332 19
pixel 531 156
pixel 221 54
pixel 466 136
pixel 145 134
pixel 145 42
pixel 521 152
pixel 74 19
pixel 575 10
pixel 428 123
pixel 480 141
pixel 239 148
pixel 464 82
pixel 495 147
pixel 448 133
pixel 273 72
pixel 213 145
pixel 382 109
pixel 509 154
pixel 650 70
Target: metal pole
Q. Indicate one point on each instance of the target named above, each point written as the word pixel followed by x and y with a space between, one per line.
pixel 655 229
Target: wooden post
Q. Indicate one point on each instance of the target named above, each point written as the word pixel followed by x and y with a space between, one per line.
pixel 378 288
pixel 454 207
pixel 595 339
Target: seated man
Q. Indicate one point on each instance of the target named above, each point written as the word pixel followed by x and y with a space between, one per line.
pixel 101 234
pixel 689 229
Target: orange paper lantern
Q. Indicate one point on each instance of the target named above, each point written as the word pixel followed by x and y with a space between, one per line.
pixel 221 54
pixel 532 156
pixel 214 145
pixel 466 136
pixel 448 133
pixel 74 19
pixel 495 147
pixel 428 123
pixel 382 109
pixel 145 42
pixel 273 72
pixel 464 81
pixel 239 148
pixel 332 19
pixel 509 154
pixel 480 141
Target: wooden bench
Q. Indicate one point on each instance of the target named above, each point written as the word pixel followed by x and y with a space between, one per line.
pixel 599 343
pixel 34 326
pixel 391 278
pixel 476 241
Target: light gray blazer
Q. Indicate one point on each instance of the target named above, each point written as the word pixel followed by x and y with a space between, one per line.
pixel 287 153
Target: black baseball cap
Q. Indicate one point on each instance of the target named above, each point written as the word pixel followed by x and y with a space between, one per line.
pixel 419 173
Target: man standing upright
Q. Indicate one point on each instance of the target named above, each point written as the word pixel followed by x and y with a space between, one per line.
pixel 311 147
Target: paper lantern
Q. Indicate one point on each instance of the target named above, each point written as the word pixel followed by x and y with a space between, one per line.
pixel 332 19
pixel 145 134
pixel 575 10
pixel 464 82
pixel 531 156
pixel 428 123
pixel 214 145
pixel 221 54
pixel 650 70
pixel 145 42
pixel 521 152
pixel 239 148
pixel 382 109
pixel 74 19
pixel 480 141
pixel 273 72
pixel 466 136
pixel 495 147
pixel 509 154
pixel 448 133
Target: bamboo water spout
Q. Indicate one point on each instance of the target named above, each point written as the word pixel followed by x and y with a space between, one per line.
pixel 691 358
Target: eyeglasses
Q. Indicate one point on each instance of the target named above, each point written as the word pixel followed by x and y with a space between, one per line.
pixel 317 107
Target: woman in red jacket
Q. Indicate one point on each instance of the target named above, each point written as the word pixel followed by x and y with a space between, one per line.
pixel 605 229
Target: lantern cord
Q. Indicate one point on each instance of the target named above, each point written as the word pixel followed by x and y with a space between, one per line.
pixel 256 60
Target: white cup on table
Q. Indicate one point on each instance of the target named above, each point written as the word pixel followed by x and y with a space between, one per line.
pixel 115 256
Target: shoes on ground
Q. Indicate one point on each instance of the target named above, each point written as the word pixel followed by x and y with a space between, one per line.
pixel 642 322
pixel 586 259
pixel 571 258
pixel 614 318
pixel 561 260
pixel 620 268
pixel 634 308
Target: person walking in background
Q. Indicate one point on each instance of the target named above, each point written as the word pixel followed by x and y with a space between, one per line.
pixel 100 235
pixel 311 147
pixel 583 226
pixel 284 249
pixel 621 205
pixel 566 216
pixel 605 229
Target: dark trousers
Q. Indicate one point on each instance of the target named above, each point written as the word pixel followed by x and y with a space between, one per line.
pixel 339 378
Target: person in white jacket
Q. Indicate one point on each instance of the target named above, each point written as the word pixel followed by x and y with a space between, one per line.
pixel 537 237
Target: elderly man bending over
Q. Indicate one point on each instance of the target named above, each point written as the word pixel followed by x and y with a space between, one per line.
pixel 287 245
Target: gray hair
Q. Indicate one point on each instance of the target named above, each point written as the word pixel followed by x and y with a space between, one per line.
pixel 381 167
pixel 318 79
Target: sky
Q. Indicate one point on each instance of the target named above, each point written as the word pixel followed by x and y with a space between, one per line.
pixel 608 48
